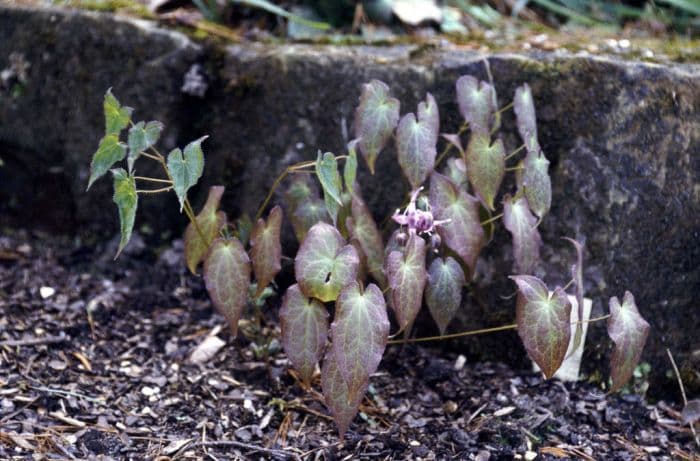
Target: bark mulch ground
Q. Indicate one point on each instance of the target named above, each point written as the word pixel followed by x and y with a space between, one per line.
pixel 95 363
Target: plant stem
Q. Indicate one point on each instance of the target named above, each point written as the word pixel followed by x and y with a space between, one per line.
pixel 515 168
pixel 512 326
pixel 515 151
pixel 144 178
pixel 504 108
pixel 685 398
pixel 492 219
pixel 449 146
pixel 154 191
pixel 278 181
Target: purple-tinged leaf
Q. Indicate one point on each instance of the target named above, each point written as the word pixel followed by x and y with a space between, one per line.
pixel 543 322
pixel 463 234
pixel 306 215
pixel 304 325
pixel 210 221
pixel 350 170
pixel 360 332
pixel 324 263
pixel 629 332
pixel 363 229
pixel 577 274
pixel 443 293
pixel 453 138
pixel 416 142
pixel 534 180
pixel 407 276
pixel 300 190
pixel 266 249
pixel 691 412
pixel 526 238
pixel 227 278
pixel 336 393
pixel 127 200
pixel 486 166
pixel 477 104
pixel 375 120
pixel 524 108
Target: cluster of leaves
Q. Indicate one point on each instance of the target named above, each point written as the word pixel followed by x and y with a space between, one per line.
pixel 343 264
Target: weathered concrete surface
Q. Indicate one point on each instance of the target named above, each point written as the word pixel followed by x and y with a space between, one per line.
pixel 623 139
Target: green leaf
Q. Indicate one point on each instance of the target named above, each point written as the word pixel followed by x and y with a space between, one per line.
pixel 543 322
pixel 304 325
pixel 526 238
pixel 360 332
pixel 109 152
pixel 324 263
pixel 443 294
pixel 186 171
pixel 363 229
pixel 375 120
pixel 127 201
pixel 306 215
pixel 336 393
pixel 210 222
pixel 117 117
pixel 350 170
pixel 477 104
pixel 416 142
pixel 299 191
pixel 328 176
pixel 629 331
pixel 486 166
pixel 524 108
pixel 534 180
pixel 463 234
pixel 407 276
pixel 266 249
pixel 577 274
pixel 141 137
pixel 227 278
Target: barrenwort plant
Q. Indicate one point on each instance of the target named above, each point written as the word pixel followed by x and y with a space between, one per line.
pixel 343 259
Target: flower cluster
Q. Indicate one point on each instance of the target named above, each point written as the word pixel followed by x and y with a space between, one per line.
pixel 418 221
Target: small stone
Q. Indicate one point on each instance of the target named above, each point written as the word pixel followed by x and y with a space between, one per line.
pixel 414 443
pixel 46 292
pixel 530 455
pixel 459 363
pixel 150 391
pixel 505 411
pixel 58 365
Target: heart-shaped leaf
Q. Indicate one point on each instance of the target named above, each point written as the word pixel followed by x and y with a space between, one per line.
pixel 304 325
pixel 543 322
pixel 109 152
pixel 299 191
pixel 350 170
pixel 126 199
pixel 227 278
pixel 526 238
pixel 210 221
pixel 477 104
pixel 336 393
pixel 186 170
pixel 524 108
pixel 463 234
pixel 534 180
pixel 266 249
pixel 407 276
pixel 117 117
pixel 324 263
pixel 360 331
pixel 363 229
pixel 443 294
pixel 629 331
pixel 416 142
pixel 141 137
pixel 306 215
pixel 375 120
pixel 577 274
pixel 486 166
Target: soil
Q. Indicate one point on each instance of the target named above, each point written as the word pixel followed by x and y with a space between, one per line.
pixel 95 364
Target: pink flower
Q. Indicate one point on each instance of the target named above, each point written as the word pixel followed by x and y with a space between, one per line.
pixel 419 221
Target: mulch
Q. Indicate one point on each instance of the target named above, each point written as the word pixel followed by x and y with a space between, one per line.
pixel 95 363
